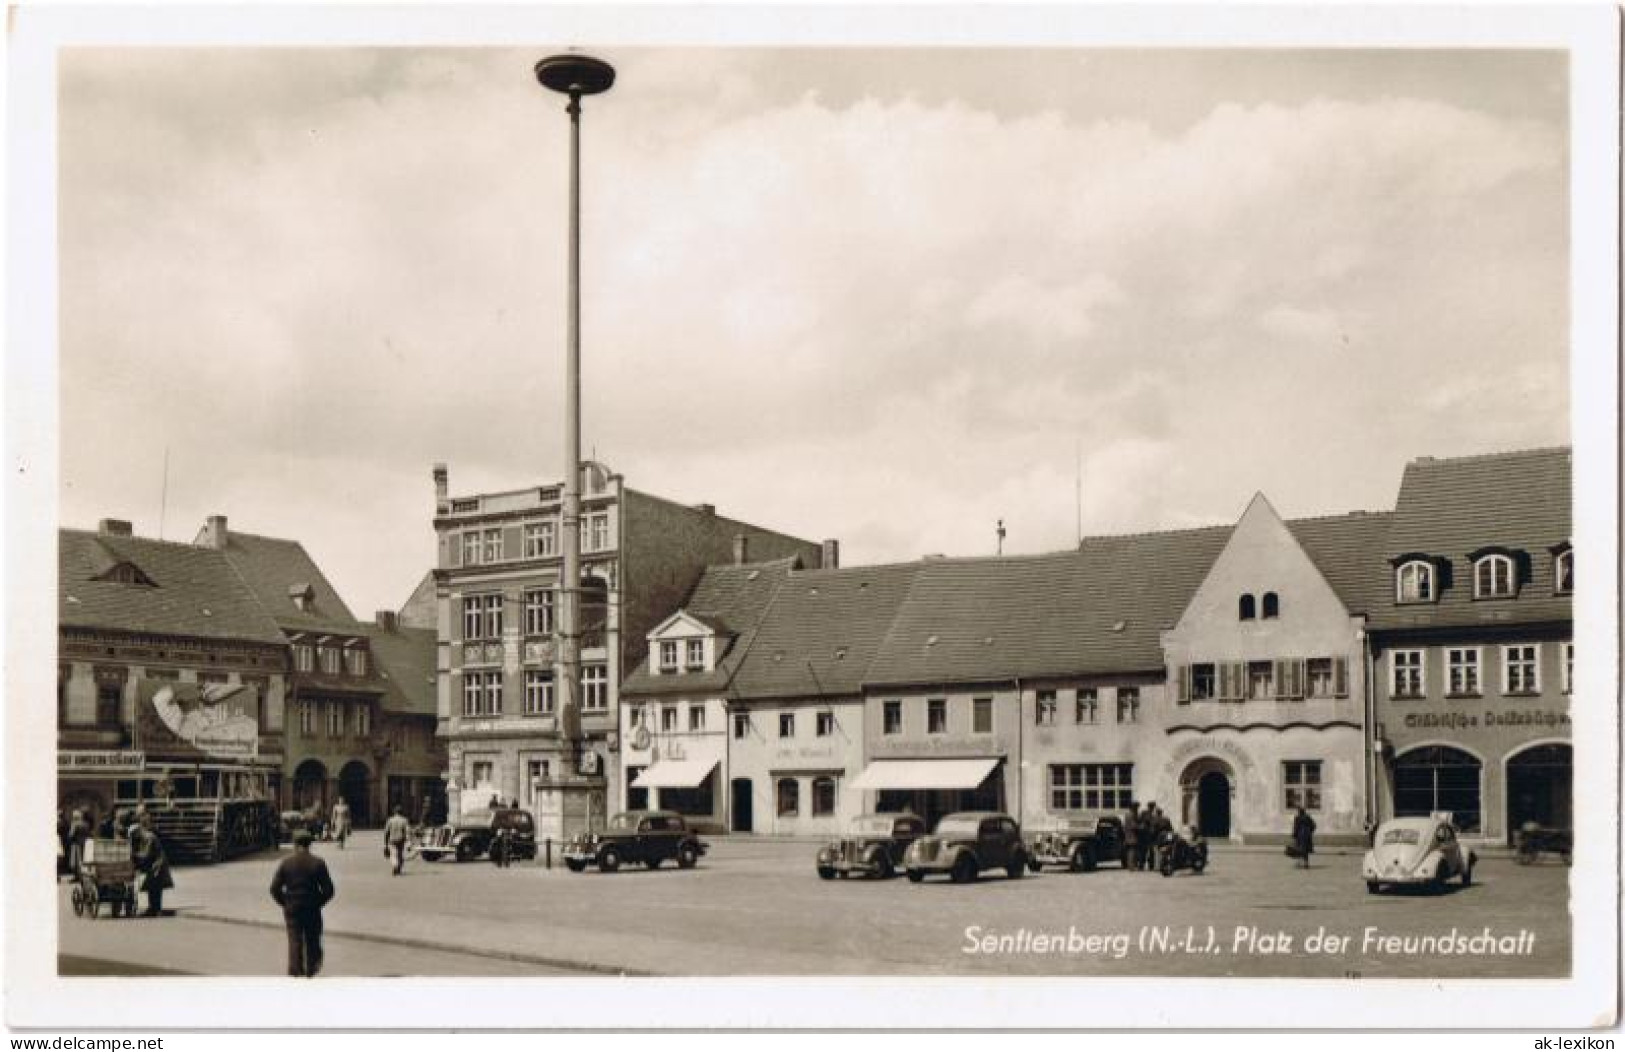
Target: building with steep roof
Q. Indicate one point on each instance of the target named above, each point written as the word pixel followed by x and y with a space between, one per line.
pixel 412 757
pixel 1472 643
pixel 496 582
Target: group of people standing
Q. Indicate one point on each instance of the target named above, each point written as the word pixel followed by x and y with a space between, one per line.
pixel 135 828
pixel 1143 830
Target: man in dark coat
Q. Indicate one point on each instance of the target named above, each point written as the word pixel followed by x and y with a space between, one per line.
pixel 301 886
pixel 1131 836
pixel 1303 837
pixel 1148 837
pixel 151 862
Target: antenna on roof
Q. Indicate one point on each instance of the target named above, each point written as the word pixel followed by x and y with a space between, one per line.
pixel 1000 532
pixel 163 497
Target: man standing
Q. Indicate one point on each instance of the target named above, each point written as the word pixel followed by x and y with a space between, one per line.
pixel 150 861
pixel 341 822
pixel 1303 837
pixel 396 832
pixel 1131 836
pixel 302 886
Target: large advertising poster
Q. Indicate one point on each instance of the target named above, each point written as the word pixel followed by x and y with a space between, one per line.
pixel 196 721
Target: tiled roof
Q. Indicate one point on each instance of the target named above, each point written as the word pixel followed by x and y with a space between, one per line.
pixel 195 592
pixel 271 566
pixel 1448 508
pixel 1348 549
pixel 732 600
pixel 823 631
pixel 1101 608
pixel 404 659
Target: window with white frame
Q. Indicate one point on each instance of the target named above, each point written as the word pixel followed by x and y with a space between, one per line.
pixel 481 774
pixel 1405 674
pixel 304 657
pixel 471 548
pixel 539 693
pixel 307 718
pixel 694 657
pixel 1321 681
pixel 1128 704
pixel 787 725
pixel 1260 680
pixel 473 616
pixel 491 546
pixel 473 693
pixel 594 688
pixel 1204 681
pixel 936 716
pixel 824 724
pixel 363 720
pixel 668 719
pixel 1415 582
pixel 1090 786
pixel 331 658
pixel 1461 666
pixel 1300 779
pixel 335 719
pixel 598 526
pixel 1520 668
pixel 1088 705
pixel 696 718
pixel 541 540
pixel 668 655
pixel 355 661
pixel 1493 577
pixel 538 611
pixel 741 726
pixel 891 717
pixel 493 617
pixel 1044 708
pixel 1563 571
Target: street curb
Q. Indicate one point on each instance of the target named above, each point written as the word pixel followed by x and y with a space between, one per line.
pixel 441 947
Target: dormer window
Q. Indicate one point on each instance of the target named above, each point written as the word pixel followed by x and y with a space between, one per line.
pixel 1494 577
pixel 1248 608
pixel 303 596
pixel 1563 572
pixel 695 658
pixel 668 656
pixel 1415 582
pixel 128 573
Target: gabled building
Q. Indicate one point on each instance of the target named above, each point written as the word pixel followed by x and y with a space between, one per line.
pixel 1472 643
pixel 496 581
pixel 334 687
pixel 411 757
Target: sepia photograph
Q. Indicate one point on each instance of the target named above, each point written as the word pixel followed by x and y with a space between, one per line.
pixel 915 502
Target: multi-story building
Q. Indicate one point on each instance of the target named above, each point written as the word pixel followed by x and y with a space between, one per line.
pixel 496 582
pixel 411 757
pixel 1472 643
pixel 333 747
pixel 136 616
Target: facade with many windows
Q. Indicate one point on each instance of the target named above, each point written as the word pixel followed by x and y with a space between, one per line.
pixel 496 594
pixel 1472 644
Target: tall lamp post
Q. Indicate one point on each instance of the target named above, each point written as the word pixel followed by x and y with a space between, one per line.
pixel 575 76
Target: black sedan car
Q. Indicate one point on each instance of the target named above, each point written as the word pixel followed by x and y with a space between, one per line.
pixel 649 837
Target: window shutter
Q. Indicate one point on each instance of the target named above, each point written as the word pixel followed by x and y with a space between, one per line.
pixel 1340 677
pixel 1238 681
pixel 1221 678
pixel 1183 674
pixel 1299 677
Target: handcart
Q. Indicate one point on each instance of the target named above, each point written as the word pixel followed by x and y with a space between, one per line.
pixel 106 874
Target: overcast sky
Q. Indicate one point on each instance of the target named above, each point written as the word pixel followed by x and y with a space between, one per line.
pixel 884 296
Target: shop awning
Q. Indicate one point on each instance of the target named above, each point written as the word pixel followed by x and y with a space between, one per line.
pixel 675 774
pixel 925 774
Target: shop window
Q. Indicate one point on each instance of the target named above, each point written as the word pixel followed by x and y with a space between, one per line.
pixel 789 797
pixel 823 797
pixel 1439 778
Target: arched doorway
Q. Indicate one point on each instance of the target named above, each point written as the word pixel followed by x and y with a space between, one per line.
pixel 1440 778
pixel 355 785
pixel 310 785
pixel 743 818
pixel 1540 788
pixel 1207 789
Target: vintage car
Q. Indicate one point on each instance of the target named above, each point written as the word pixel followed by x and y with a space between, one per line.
pixel 472 835
pixel 649 837
pixel 1422 851
pixel 873 845
pixel 1080 843
pixel 964 845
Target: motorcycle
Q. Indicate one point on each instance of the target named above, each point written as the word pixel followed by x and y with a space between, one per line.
pixel 1176 852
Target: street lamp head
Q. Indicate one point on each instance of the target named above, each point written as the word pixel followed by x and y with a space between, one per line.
pixel 575 75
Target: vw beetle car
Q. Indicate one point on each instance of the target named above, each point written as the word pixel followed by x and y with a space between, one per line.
pixel 873 845
pixel 1422 851
pixel 649 837
pixel 472 835
pixel 966 844
pixel 1080 843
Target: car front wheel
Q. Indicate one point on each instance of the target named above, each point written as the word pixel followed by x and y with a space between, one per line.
pixel 825 873
pixel 964 870
pixel 915 876
pixel 575 865
pixel 687 856
pixel 610 860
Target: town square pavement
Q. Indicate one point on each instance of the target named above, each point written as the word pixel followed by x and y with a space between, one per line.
pixel 757 907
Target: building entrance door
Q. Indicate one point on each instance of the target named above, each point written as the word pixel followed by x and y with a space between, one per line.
pixel 1213 805
pixel 1540 788
pixel 743 820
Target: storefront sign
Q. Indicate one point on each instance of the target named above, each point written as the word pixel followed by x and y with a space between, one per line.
pixel 1457 721
pixel 91 761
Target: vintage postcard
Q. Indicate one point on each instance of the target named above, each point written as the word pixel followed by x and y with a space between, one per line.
pixel 1065 503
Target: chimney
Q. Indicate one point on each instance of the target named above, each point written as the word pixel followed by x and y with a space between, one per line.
pixel 214 533
pixel 114 528
pixel 831 558
pixel 440 483
pixel 741 548
pixel 386 620
pixel 706 509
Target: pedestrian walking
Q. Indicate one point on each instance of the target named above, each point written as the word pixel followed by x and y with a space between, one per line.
pixel 396 832
pixel 301 885
pixel 341 822
pixel 502 848
pixel 1303 837
pixel 147 849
